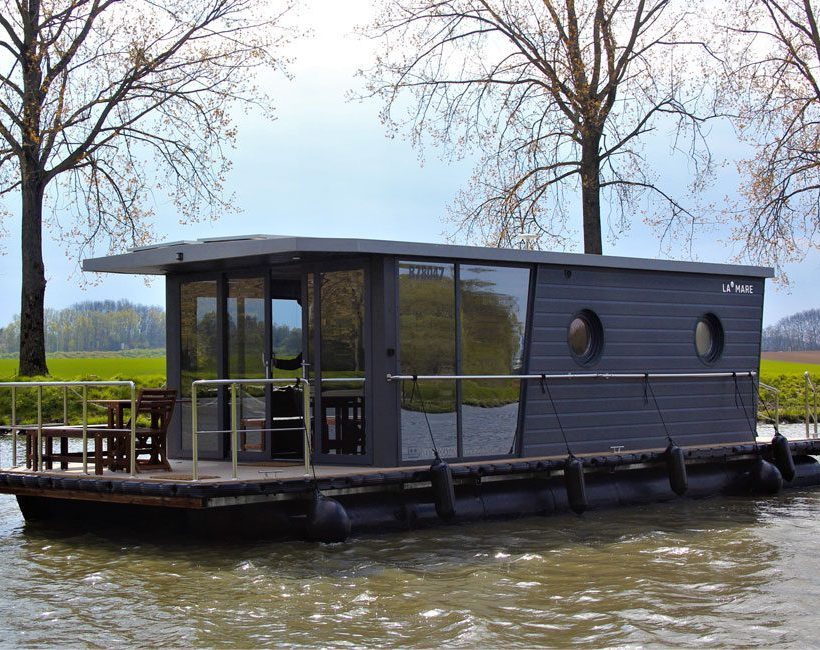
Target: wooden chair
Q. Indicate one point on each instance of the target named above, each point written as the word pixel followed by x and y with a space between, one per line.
pixel 152 441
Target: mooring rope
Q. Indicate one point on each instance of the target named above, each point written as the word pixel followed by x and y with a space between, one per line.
pixel 417 389
pixel 545 390
pixel 648 386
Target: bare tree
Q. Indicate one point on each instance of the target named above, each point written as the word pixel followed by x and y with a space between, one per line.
pixel 555 94
pixel 102 102
pixel 772 84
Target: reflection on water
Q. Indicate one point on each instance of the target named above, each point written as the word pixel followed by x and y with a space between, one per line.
pixel 717 572
pixel 730 572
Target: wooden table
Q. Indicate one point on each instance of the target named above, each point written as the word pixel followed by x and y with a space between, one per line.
pixel 96 434
pixel 116 411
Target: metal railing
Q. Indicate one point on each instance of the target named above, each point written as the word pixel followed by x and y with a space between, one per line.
pixel 810 388
pixel 233 385
pixel 578 375
pixel 84 386
pixel 597 375
pixel 776 393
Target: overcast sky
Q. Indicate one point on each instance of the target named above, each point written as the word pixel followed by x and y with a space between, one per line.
pixel 326 168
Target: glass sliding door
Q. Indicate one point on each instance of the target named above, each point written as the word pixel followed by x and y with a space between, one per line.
pixel 341 428
pixel 245 322
pixel 199 359
pixel 286 362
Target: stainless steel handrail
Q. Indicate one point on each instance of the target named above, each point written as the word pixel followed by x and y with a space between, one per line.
pixel 810 387
pixel 776 392
pixel 233 384
pixel 84 385
pixel 578 375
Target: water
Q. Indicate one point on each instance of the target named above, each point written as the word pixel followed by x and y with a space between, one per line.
pixel 717 572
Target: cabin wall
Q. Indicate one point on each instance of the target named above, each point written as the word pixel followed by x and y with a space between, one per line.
pixel 383 427
pixel 649 320
pixel 172 361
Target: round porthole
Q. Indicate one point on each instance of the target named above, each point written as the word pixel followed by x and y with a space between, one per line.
pixel 585 336
pixel 709 338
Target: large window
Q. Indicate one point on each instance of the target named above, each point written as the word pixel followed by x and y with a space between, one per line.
pixel 493 315
pixel 342 344
pixel 199 355
pixel 427 332
pixel 461 319
pixel 246 357
pixel 246 328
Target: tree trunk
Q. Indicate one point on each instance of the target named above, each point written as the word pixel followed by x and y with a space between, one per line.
pixel 32 301
pixel 591 195
pixel 32 326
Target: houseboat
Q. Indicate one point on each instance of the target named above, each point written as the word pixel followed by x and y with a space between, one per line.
pixel 325 386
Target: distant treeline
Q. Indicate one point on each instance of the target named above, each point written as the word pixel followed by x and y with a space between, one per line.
pixel 94 326
pixel 798 332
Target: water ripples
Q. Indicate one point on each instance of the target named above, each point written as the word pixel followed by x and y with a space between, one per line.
pixel 720 572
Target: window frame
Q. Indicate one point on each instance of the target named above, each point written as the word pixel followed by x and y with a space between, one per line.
pixel 717 335
pixel 528 310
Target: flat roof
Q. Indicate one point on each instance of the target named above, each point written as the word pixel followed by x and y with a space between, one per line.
pixel 251 250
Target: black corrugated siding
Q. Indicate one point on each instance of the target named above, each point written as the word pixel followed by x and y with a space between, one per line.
pixel 649 321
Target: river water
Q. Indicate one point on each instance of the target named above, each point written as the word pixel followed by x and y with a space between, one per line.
pixel 716 572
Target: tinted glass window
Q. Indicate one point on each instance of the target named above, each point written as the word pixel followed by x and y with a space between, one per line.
pixel 709 338
pixel 427 332
pixel 585 337
pixel 342 344
pixel 493 316
pixel 199 355
pixel 199 347
pixel 579 337
pixel 246 327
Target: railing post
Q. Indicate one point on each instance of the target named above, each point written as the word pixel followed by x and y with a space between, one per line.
pixel 234 437
pixel 306 422
pixel 39 428
pixel 807 382
pixel 85 432
pixel 65 405
pixel 194 436
pixel 134 414
pixel 13 426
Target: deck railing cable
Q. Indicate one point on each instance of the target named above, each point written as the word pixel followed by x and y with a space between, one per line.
pixel 16 427
pixel 566 376
pixel 810 388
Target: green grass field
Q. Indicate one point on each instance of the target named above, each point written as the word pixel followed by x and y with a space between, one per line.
pixel 771 368
pixel 101 367
pixel 787 376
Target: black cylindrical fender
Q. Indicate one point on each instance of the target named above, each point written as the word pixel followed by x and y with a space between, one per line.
pixel 676 468
pixel 782 456
pixel 576 487
pixel 765 478
pixel 441 479
pixel 327 520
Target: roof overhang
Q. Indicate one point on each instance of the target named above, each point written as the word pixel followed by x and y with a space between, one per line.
pixel 262 250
